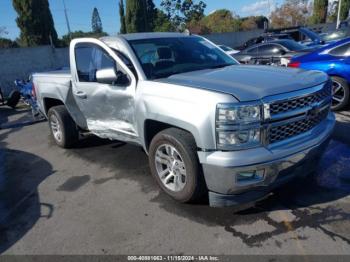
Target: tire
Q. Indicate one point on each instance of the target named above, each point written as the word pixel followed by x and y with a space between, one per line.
pixel 342 94
pixel 191 187
pixel 13 99
pixel 63 129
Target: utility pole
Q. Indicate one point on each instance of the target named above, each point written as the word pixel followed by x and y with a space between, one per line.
pixel 67 21
pixel 338 18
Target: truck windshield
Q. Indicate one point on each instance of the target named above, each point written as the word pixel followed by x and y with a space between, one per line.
pixel 163 57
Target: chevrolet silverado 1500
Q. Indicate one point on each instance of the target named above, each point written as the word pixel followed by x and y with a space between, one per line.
pixel 209 125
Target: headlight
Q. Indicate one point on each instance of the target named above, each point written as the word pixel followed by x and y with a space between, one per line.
pixel 239 114
pixel 239 139
pixel 238 126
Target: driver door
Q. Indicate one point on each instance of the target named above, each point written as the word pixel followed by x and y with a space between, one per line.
pixel 108 106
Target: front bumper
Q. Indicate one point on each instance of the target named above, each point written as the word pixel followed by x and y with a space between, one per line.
pixel 296 157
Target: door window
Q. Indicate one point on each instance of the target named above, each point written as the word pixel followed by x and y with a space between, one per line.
pixel 343 50
pixel 253 51
pixel 270 49
pixel 89 59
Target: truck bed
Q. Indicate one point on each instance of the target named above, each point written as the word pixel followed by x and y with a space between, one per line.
pixel 53 84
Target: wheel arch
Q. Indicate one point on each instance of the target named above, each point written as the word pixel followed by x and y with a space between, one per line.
pixel 51 102
pixel 153 127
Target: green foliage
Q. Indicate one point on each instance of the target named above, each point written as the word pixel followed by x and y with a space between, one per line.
pixel 344 9
pixel 35 22
pixel 136 16
pixel 320 12
pixel 65 41
pixel 96 22
pixel 151 15
pixel 162 23
pixel 221 21
pixel 259 20
pixel 7 43
pixel 183 11
pixel 249 24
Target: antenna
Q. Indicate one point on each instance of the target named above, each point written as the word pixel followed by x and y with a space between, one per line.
pixel 67 21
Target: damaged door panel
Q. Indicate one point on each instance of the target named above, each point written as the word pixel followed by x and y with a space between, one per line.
pixel 104 91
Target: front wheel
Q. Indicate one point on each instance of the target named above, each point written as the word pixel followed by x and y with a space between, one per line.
pixel 175 166
pixel 340 93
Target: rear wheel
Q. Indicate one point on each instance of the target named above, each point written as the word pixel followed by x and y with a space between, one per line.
pixel 340 93
pixel 63 129
pixel 13 99
pixel 175 166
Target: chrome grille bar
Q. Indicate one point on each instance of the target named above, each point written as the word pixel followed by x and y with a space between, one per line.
pixel 298 113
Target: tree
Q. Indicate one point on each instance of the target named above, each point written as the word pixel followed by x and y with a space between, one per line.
pixel 249 24
pixel 35 22
pixel 151 15
pixel 183 11
pixel 65 41
pixel 320 12
pixel 7 43
pixel 221 21
pixel 291 13
pixel 96 22
pixel 136 16
pixel 122 17
pixel 344 9
pixel 162 23
pixel 198 27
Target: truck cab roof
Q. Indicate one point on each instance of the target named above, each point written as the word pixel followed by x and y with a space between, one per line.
pixel 139 36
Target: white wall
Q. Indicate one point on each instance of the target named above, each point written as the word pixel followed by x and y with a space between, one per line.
pixel 18 63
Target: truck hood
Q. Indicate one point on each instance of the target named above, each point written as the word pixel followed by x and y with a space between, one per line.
pixel 248 83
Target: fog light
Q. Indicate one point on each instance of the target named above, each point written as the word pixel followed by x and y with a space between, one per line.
pixel 247 176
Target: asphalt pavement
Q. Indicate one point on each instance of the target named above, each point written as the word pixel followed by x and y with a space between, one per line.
pixel 99 198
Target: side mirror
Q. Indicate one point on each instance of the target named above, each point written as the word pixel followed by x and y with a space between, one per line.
pixel 111 76
pixel 106 76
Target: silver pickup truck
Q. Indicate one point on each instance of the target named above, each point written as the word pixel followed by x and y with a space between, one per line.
pixel 210 126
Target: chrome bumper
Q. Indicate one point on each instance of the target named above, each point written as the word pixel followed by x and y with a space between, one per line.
pixel 279 165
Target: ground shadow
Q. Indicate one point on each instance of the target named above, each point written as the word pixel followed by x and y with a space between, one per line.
pixel 20 206
pixel 307 202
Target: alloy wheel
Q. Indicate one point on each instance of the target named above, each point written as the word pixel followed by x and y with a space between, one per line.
pixel 170 167
pixel 56 128
pixel 338 93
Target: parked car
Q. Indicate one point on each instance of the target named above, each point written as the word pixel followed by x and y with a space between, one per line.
pixel 302 35
pixel 228 50
pixel 209 125
pixel 271 53
pixel 334 60
pixel 263 39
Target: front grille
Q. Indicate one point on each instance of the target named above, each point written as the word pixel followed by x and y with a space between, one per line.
pixel 280 133
pixel 301 102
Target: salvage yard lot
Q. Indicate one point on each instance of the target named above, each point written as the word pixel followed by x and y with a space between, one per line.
pixel 100 198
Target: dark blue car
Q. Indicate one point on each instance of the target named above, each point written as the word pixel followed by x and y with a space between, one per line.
pixel 333 59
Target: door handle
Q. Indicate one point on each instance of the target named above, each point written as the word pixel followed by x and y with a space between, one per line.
pixel 81 94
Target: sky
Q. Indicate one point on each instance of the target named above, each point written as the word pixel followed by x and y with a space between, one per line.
pixel 80 11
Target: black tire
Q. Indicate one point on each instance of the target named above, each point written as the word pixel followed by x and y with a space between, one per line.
pixel 13 99
pixel 345 93
pixel 195 188
pixel 69 131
